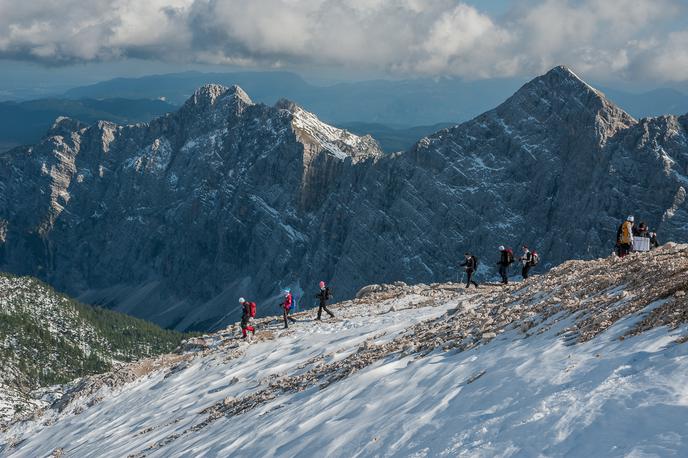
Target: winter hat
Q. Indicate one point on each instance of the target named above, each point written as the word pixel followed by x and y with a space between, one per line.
pixel 286 291
pixel 501 248
pixel 322 284
pixel 630 218
pixel 242 300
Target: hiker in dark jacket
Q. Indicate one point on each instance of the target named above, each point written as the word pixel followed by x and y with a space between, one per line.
pixel 324 295
pixel 470 264
pixel 526 261
pixel 642 230
pixel 654 243
pixel 505 260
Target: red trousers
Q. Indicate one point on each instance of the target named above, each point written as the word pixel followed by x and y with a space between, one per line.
pixel 245 330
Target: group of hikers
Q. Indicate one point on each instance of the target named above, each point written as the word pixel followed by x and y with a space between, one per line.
pixel 628 233
pixel 528 260
pixel 248 308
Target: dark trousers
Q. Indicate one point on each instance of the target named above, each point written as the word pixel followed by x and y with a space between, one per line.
pixel 504 272
pixel 469 280
pixel 324 307
pixel 624 249
pixel 525 270
pixel 286 316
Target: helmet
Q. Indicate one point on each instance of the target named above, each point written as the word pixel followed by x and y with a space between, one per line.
pixel 242 300
pixel 321 284
pixel 501 248
pixel 286 291
pixel 630 218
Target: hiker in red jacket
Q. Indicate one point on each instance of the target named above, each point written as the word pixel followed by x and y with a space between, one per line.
pixel 286 306
pixel 247 315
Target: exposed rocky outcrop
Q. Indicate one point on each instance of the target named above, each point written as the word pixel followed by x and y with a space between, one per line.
pixel 174 219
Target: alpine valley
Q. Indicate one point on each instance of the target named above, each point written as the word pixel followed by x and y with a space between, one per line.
pixel 172 220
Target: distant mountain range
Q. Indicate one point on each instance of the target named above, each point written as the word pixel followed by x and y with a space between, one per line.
pixel 26 122
pixel 174 219
pixel 396 104
pixel 396 113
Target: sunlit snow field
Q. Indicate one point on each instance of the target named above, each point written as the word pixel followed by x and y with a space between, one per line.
pixel 513 396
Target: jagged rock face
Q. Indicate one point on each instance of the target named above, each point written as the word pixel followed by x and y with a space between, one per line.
pixel 157 219
pixel 173 220
pixel 556 167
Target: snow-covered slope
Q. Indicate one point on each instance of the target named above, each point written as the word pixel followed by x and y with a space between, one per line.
pixel 588 360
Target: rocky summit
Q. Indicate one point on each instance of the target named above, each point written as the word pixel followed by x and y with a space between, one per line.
pixel 174 219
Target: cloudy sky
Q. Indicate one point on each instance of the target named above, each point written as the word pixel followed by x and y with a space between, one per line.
pixel 643 42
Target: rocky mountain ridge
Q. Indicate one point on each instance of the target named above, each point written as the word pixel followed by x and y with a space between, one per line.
pixel 172 220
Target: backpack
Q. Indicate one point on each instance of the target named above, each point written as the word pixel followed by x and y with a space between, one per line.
pixel 252 309
pixel 475 263
pixel 534 258
pixel 328 293
pixel 627 232
pixel 509 256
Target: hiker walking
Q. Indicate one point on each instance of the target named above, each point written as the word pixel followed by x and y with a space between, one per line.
pixel 324 295
pixel 470 265
pixel 624 237
pixel 526 261
pixel 286 305
pixel 248 313
pixel 505 260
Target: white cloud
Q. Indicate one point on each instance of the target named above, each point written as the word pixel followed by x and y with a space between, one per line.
pixel 667 62
pixel 601 38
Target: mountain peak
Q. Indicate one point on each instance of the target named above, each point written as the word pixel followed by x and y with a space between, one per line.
pixel 210 94
pixel 286 104
pixel 563 76
pixel 64 126
pixel 561 95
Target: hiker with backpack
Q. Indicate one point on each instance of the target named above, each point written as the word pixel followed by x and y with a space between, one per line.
pixel 248 313
pixel 505 260
pixel 286 306
pixel 471 265
pixel 324 295
pixel 624 237
pixel 528 260
pixel 641 231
